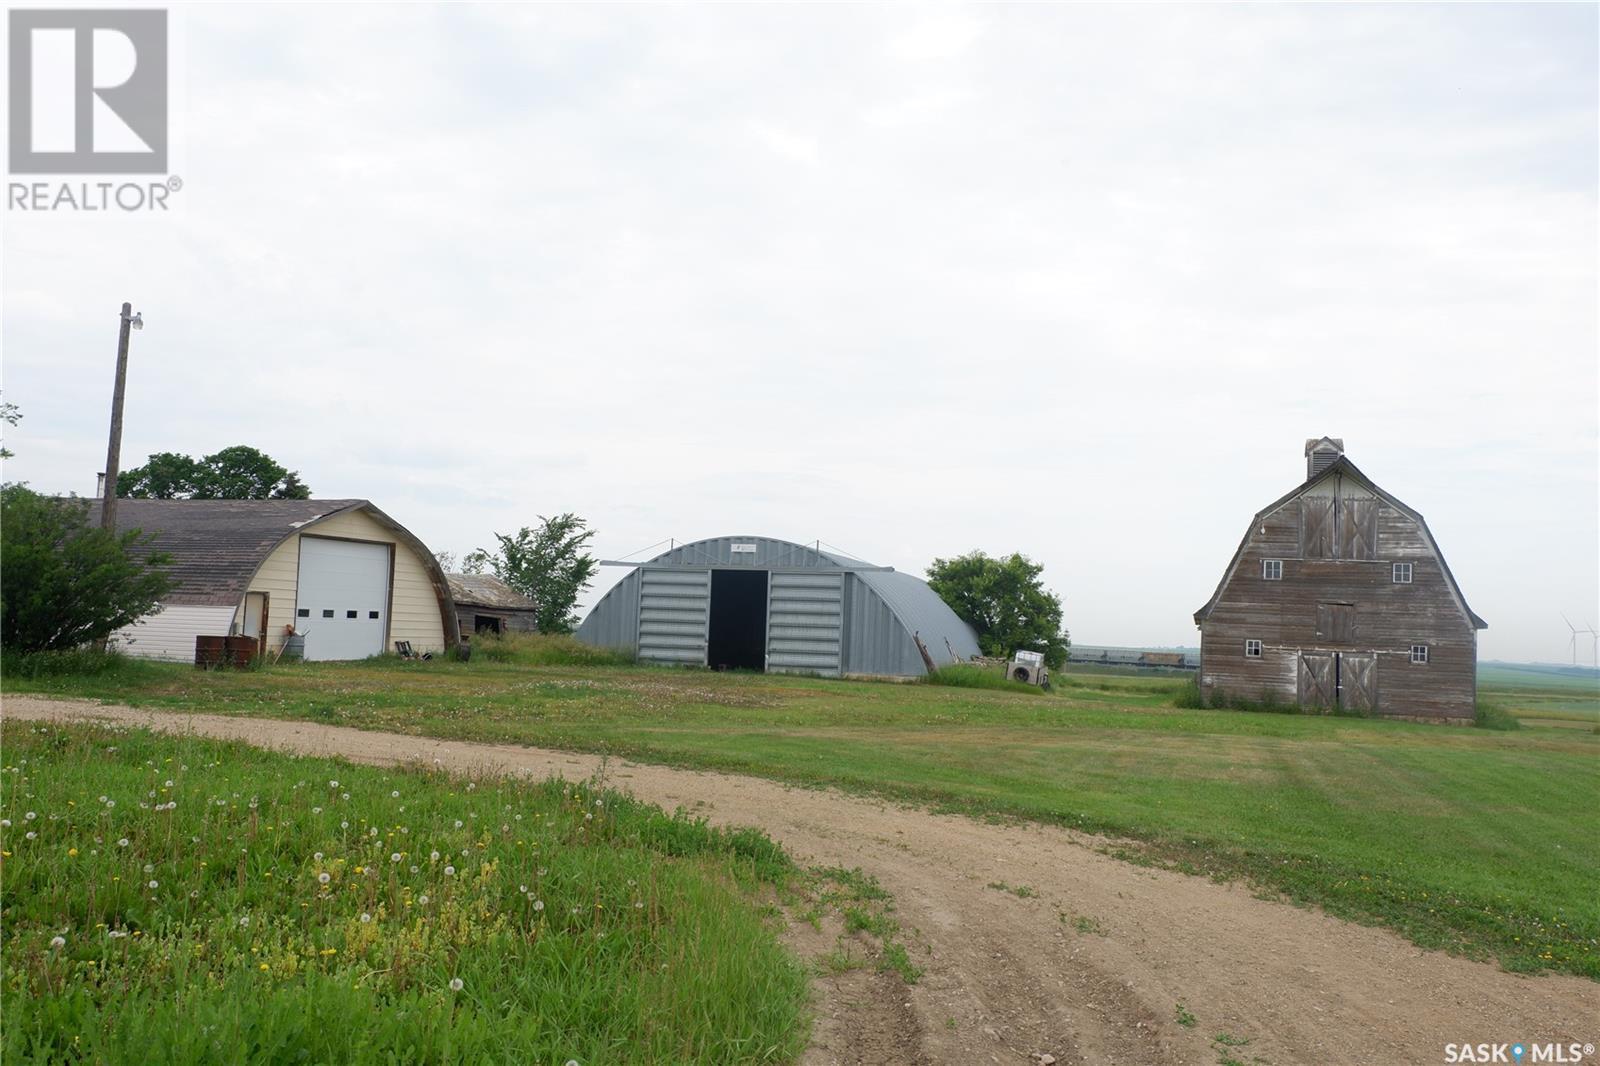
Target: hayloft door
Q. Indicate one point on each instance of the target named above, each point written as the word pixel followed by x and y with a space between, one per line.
pixel 1358 683
pixel 1317 683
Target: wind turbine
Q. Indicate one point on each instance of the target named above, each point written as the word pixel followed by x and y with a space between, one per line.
pixel 1573 643
pixel 1595 634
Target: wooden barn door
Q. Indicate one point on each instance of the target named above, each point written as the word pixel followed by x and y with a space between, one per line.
pixel 1360 529
pixel 1317 531
pixel 1358 683
pixel 1317 686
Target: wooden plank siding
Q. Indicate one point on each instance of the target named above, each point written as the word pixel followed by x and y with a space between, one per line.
pixel 413 601
pixel 1338 540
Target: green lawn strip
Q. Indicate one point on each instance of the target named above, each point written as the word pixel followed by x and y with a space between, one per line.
pixel 1484 843
pixel 264 916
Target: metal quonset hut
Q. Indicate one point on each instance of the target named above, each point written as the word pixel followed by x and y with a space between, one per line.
pixel 774 605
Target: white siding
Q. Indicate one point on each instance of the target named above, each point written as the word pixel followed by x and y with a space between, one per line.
pixel 170 632
pixel 414 615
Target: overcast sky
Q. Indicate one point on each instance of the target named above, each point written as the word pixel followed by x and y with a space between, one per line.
pixel 1076 281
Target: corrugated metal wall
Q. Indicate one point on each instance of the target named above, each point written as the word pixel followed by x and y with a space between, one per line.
pixel 674 608
pixel 805 622
pixel 824 615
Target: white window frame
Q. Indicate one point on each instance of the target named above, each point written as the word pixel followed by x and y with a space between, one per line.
pixel 1252 649
pixel 1419 654
pixel 1401 568
pixel 1272 570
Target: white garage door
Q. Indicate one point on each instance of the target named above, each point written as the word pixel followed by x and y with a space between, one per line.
pixel 343 598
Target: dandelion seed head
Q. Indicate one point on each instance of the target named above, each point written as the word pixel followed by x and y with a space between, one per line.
pixel 456 984
pixel 58 941
pixel 365 918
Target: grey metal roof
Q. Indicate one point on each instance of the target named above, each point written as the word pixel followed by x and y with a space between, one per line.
pixel 486 590
pixel 882 616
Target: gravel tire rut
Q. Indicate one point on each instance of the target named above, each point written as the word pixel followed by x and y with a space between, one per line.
pixel 1012 979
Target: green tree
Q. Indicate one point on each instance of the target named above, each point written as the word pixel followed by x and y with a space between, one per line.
pixel 550 565
pixel 236 473
pixel 1004 602
pixel 10 416
pixel 67 582
pixel 164 476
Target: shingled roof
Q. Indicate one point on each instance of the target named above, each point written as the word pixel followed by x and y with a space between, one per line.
pixel 486 590
pixel 217 545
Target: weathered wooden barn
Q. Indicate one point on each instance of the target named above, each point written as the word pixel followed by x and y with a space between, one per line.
pixel 346 577
pixel 1339 599
pixel 484 603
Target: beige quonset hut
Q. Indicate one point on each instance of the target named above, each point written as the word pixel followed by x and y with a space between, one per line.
pixel 1339 599
pixel 351 580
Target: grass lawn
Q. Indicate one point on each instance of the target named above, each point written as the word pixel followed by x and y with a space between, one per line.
pixel 1482 842
pixel 180 900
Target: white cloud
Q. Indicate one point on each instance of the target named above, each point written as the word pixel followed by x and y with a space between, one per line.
pixel 838 272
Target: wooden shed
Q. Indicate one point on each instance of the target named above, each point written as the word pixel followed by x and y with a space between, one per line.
pixel 1339 599
pixel 484 603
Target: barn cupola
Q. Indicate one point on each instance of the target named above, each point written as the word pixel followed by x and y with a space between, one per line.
pixel 1321 453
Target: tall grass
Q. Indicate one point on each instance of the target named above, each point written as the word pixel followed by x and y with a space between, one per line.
pixel 179 900
pixel 967 675
pixel 538 649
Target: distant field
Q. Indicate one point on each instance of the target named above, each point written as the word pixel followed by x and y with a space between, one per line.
pixel 1483 842
pixel 185 901
pixel 1543 696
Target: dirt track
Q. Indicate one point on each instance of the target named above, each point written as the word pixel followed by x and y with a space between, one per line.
pixel 1009 979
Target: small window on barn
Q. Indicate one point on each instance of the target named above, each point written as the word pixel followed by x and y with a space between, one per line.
pixel 304 612
pixel 352 614
pixel 1252 649
pixel 1402 573
pixel 327 614
pixel 1419 653
pixel 1272 569
pixel 372 614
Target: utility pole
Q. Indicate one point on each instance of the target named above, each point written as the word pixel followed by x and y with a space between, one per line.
pixel 108 499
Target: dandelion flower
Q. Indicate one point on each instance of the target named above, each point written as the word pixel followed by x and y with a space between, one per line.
pixel 111 803
pixel 344 825
pixel 122 843
pixel 422 900
pixel 449 871
pixel 149 868
pixel 333 784
pixel 395 794
pixel 58 942
pixel 456 984
pixel 434 856
pixel 316 856
pixel 394 857
pixel 324 878
pixel 459 822
pixel 30 816
pixel 538 904
pixel 316 810
pixel 365 918
pixel 155 884
pixel 32 835
pixel 244 920
pixel 5 823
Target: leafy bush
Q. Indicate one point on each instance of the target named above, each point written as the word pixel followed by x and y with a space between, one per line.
pixel 967 675
pixel 67 583
pixel 1493 716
